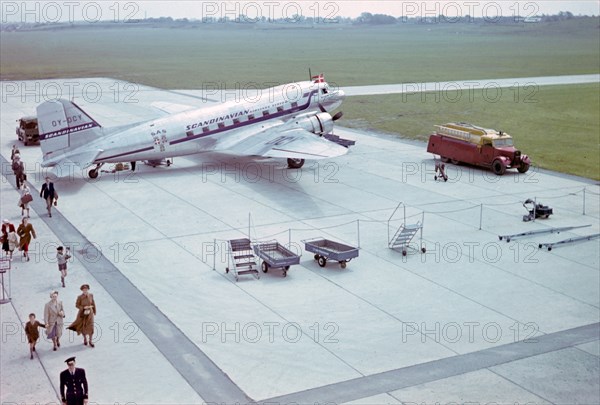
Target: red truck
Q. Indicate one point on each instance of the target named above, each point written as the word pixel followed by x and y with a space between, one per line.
pixel 466 143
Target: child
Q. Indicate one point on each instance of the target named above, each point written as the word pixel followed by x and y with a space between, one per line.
pixel 62 263
pixel 31 330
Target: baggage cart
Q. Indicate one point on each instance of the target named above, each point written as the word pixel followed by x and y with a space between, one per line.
pixel 273 254
pixel 325 249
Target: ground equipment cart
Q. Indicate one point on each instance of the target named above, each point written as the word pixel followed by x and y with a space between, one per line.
pixel 273 254
pixel 325 249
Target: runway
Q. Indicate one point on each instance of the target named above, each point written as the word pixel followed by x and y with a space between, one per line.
pixel 474 319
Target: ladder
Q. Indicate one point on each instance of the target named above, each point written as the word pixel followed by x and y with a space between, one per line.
pixel 405 234
pixel 241 259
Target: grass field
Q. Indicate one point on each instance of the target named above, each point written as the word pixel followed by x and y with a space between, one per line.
pixel 560 130
pixel 348 55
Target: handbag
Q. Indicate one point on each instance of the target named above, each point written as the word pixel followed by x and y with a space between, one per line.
pixel 27 198
pixel 86 311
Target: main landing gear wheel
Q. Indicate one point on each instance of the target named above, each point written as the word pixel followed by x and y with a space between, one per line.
pixel 93 173
pixel 295 163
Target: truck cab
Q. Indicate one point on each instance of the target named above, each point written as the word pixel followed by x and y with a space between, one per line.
pixel 27 130
pixel 467 143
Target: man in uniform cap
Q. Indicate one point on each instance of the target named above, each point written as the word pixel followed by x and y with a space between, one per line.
pixel 73 384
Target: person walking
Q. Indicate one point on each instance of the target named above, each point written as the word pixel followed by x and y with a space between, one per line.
pixel 61 259
pixel 25 199
pixel 84 323
pixel 19 170
pixel 9 238
pixel 14 151
pixel 53 318
pixel 73 384
pixel 25 232
pixel 48 193
pixel 31 330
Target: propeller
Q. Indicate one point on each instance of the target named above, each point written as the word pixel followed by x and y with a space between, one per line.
pixel 335 117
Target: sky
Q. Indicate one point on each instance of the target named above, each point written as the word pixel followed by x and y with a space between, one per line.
pixel 113 10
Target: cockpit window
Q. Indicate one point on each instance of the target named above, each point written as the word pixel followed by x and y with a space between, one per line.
pixel 324 90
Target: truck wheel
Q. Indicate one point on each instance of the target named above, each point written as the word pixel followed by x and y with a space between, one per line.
pixel 498 167
pixel 523 167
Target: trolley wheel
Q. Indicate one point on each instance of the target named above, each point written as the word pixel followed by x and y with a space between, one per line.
pixel 285 273
pixel 316 257
pixel 322 261
pixel 343 265
pixel 507 240
pixel 236 278
pixel 549 248
pixel 168 163
pixel 500 237
pixel 423 250
pixel 287 268
pixel 265 267
pixel 404 253
pixel 226 269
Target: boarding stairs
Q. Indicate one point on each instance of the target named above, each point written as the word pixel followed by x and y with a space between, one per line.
pixel 241 259
pixel 404 235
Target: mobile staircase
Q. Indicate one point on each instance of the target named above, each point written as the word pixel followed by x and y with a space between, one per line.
pixel 405 234
pixel 241 259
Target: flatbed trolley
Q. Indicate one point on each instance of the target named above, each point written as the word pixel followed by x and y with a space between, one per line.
pixel 241 260
pixel 325 249
pixel 273 254
pixel 539 231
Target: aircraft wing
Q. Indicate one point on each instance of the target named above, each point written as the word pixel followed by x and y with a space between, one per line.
pixel 172 108
pixel 295 143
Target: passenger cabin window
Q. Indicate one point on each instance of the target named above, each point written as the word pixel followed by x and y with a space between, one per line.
pixel 236 121
pixel 221 125
pixel 265 113
pixel 279 109
pixel 250 117
pixel 205 129
pixel 294 104
pixel 190 133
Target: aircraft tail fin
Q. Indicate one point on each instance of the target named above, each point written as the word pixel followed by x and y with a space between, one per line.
pixel 64 126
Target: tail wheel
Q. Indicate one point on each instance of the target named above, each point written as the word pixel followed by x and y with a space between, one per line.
pixel 498 167
pixel 295 163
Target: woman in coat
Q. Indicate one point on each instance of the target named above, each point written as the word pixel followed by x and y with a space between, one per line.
pixel 53 318
pixel 84 323
pixel 25 232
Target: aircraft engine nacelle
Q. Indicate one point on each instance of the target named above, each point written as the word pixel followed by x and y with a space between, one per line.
pixel 320 124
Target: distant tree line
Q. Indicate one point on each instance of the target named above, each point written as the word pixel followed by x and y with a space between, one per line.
pixel 365 19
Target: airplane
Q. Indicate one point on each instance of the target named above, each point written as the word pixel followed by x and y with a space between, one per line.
pixel 276 126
